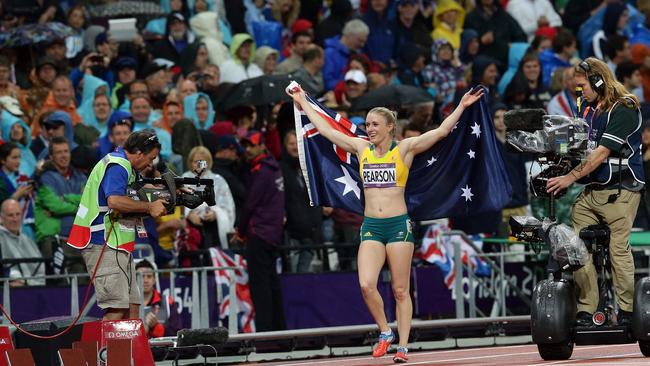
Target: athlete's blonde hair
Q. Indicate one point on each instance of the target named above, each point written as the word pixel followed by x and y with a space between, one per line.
pixel 388 115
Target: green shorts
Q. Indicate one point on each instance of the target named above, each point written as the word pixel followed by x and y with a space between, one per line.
pixel 389 230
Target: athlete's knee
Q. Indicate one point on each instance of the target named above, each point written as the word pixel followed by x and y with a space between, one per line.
pixel 401 292
pixel 367 287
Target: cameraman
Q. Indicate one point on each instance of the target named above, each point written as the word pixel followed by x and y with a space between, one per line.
pixel 614 122
pixel 115 286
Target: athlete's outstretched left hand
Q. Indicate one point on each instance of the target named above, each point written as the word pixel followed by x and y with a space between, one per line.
pixel 471 96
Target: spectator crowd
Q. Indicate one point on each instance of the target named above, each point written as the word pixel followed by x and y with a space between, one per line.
pixel 66 102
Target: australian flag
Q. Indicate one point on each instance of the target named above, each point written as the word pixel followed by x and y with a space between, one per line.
pixel 462 174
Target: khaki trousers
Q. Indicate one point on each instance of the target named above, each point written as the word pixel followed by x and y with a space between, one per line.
pixel 591 208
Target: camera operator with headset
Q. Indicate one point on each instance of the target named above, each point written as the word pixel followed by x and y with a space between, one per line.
pixel 103 202
pixel 614 179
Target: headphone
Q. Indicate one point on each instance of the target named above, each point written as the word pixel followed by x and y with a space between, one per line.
pixel 595 80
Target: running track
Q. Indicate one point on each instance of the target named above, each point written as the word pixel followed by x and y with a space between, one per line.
pixel 617 354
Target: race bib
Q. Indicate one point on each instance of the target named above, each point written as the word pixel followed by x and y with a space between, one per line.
pixel 380 175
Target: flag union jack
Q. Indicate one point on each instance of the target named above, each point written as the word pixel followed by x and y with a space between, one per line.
pixel 245 311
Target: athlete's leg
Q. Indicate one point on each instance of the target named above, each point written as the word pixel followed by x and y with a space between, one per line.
pixel 400 255
pixel 371 258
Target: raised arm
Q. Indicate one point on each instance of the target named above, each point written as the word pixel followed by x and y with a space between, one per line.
pixel 350 144
pixel 415 145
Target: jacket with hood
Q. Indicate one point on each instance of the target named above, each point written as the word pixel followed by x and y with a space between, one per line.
pixel 381 39
pixel 466 37
pixel 336 59
pixel 20 246
pixel 68 132
pixel 189 110
pixel 165 124
pixel 441 30
pixel 224 207
pixel 443 74
pixel 204 25
pixel 505 29
pixel 262 53
pixel 479 65
pixel 167 48
pixel 105 144
pixel 86 111
pixel 233 70
pixel 57 201
pixel 27 158
pixel 52 104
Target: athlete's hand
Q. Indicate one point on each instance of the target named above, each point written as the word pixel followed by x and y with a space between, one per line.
pixel 297 94
pixel 157 208
pixel 471 96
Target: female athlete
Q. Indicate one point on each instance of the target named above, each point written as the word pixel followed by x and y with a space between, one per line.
pixel 386 230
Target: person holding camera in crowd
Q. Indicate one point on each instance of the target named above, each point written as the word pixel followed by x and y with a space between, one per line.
pixel 614 148
pixel 99 222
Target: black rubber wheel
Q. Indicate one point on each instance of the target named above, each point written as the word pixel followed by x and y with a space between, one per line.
pixel 557 351
pixel 644 346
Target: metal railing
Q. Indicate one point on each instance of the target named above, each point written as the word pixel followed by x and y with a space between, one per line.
pixel 200 307
pixel 499 306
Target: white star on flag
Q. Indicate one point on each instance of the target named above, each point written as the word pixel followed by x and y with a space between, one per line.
pixel 476 130
pixel 471 154
pixel 350 183
pixel 467 193
pixel 431 161
pixel 455 126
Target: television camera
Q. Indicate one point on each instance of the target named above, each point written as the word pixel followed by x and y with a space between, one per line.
pixel 558 143
pixel 174 190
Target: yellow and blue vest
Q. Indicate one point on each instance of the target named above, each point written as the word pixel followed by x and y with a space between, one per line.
pixel 383 172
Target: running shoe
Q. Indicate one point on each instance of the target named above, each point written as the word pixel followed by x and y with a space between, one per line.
pixel 401 356
pixel 384 343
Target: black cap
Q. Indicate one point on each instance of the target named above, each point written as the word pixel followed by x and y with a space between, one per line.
pixel 176 16
pixel 150 69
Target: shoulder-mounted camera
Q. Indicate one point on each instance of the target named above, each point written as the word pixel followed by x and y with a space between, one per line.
pixel 174 190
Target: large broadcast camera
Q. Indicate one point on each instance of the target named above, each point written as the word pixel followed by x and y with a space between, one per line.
pixel 558 144
pixel 174 190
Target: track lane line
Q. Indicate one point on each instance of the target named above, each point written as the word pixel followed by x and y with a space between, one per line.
pixel 335 360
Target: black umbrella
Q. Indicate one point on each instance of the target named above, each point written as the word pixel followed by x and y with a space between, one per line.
pixel 259 91
pixel 392 95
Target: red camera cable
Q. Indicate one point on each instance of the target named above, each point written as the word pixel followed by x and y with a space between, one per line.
pixel 85 302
